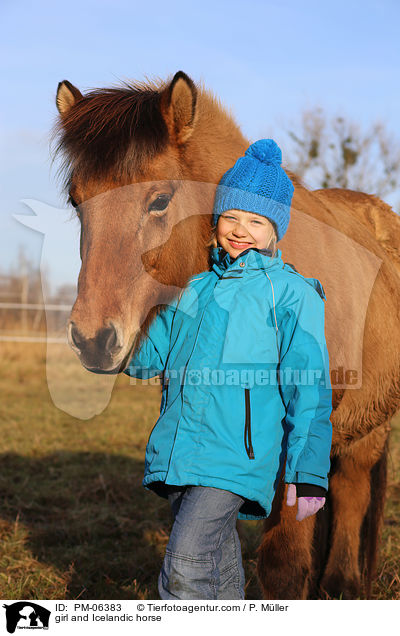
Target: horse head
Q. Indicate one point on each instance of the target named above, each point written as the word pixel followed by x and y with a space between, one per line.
pixel 141 162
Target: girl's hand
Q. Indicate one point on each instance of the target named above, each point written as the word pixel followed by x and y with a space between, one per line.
pixel 307 505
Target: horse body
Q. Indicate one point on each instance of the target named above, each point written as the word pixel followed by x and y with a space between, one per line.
pixel 145 211
pixel 363 302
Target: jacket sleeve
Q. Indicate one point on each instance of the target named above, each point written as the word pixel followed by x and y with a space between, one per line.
pixel 306 391
pixel 150 358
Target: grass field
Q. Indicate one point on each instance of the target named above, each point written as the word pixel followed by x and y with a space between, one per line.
pixel 75 520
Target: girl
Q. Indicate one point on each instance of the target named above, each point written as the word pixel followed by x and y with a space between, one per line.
pixel 245 386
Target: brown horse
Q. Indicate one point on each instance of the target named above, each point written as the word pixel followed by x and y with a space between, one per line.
pixel 142 162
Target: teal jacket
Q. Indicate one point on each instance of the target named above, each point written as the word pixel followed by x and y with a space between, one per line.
pixel 246 382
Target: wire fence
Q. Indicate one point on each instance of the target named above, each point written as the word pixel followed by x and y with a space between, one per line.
pixel 55 322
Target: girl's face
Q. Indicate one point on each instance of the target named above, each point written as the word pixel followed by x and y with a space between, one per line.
pixel 238 230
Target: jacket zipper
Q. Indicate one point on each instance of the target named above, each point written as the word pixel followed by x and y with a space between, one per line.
pixel 247 427
pixel 166 385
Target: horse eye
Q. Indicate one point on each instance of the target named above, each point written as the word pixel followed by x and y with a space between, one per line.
pixel 72 201
pixel 75 205
pixel 160 203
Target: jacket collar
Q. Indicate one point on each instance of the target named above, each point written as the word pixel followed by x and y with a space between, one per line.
pixel 252 258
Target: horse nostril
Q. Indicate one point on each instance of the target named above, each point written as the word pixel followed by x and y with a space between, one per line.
pixel 112 339
pixel 75 336
pixel 107 339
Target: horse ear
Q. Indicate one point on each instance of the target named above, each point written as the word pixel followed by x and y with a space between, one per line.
pixel 67 95
pixel 178 107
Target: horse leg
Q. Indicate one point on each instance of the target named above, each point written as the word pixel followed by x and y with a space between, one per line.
pixel 293 553
pixel 350 499
pixel 284 565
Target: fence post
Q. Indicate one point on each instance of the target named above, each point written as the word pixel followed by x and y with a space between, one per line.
pixel 24 300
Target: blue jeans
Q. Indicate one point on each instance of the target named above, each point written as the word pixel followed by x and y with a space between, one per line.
pixel 203 558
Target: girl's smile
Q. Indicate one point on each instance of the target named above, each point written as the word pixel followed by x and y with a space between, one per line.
pixel 239 244
pixel 238 230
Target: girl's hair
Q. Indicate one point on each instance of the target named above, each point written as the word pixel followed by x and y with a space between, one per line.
pixel 272 244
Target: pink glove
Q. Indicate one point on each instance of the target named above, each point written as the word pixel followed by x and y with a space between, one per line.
pixel 307 505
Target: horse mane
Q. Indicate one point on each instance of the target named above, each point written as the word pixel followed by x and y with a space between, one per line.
pixel 111 131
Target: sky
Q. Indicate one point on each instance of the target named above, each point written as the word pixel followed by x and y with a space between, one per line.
pixel 267 61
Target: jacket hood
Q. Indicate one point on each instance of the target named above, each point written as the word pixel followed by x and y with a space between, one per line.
pixel 252 258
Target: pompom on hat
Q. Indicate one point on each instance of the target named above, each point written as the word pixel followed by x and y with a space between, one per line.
pixel 257 183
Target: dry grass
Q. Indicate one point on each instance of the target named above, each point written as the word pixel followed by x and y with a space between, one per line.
pixel 75 519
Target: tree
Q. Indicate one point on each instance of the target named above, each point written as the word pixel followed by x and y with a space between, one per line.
pixel 336 153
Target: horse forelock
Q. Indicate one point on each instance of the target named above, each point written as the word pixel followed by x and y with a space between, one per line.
pixel 111 131
pixel 113 134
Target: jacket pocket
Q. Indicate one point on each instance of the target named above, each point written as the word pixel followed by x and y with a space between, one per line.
pixel 247 426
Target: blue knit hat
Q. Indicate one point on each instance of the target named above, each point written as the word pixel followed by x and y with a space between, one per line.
pixel 258 184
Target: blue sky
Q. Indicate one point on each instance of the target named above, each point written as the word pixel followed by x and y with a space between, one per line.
pixel 266 60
